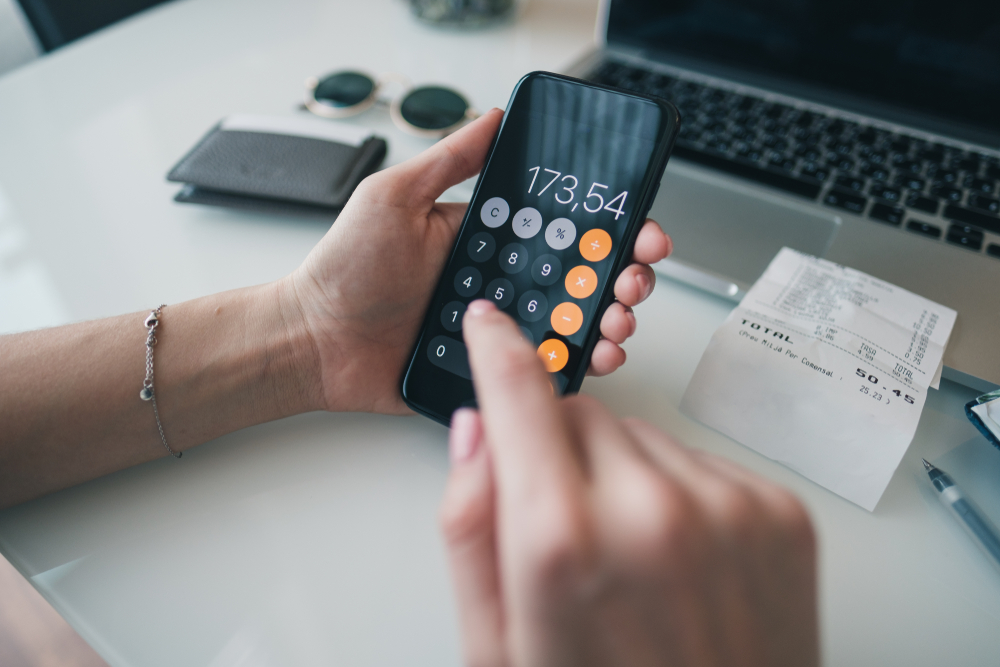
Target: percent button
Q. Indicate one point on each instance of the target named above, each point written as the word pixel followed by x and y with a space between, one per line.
pixel 560 233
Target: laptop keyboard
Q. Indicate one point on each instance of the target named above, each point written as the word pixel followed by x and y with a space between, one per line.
pixel 927 188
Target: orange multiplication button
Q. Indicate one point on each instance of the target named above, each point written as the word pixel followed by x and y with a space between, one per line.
pixel 581 281
pixel 595 245
pixel 567 318
pixel 553 354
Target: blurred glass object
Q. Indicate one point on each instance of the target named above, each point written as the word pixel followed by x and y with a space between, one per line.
pixel 463 13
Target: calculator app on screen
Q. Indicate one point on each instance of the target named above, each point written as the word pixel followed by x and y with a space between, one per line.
pixel 568 183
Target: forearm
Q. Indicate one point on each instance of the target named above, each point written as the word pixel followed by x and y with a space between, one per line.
pixel 69 397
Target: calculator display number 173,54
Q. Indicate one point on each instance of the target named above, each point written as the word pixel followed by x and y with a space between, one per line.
pixel 565 194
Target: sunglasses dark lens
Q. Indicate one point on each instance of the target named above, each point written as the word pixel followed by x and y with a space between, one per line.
pixel 432 108
pixel 344 89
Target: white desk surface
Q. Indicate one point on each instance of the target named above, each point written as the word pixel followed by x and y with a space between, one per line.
pixel 313 541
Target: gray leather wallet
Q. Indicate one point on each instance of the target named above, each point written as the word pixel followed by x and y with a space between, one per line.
pixel 297 165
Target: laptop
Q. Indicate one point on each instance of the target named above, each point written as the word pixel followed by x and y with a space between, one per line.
pixel 867 133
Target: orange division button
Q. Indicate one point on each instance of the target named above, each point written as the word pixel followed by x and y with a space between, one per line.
pixel 581 281
pixel 595 245
pixel 567 318
pixel 553 354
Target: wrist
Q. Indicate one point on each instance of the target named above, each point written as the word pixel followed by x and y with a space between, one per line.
pixel 233 360
pixel 353 354
pixel 297 380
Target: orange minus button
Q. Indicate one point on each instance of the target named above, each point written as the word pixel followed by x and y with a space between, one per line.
pixel 567 318
pixel 553 354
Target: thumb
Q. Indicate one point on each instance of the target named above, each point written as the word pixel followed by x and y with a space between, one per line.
pixel 469 525
pixel 422 179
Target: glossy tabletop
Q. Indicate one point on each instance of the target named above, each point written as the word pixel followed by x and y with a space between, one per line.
pixel 313 540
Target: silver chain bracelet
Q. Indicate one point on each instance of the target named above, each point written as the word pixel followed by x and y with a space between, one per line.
pixel 147 393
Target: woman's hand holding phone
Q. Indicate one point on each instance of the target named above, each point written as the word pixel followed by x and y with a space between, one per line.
pixel 364 290
pixel 579 539
pixel 335 334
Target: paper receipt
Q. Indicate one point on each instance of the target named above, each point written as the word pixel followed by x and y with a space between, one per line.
pixel 825 369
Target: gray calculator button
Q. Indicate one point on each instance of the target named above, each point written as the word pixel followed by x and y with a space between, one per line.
pixel 513 258
pixel 468 281
pixel 527 222
pixel 560 233
pixel 451 355
pixel 500 292
pixel 532 306
pixel 482 247
pixel 494 212
pixel 451 316
pixel 546 270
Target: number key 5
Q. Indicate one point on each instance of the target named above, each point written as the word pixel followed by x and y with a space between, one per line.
pixel 500 292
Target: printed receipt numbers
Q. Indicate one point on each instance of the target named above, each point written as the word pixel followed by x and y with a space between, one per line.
pixel 825 369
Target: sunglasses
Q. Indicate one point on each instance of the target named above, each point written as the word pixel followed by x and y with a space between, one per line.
pixel 426 111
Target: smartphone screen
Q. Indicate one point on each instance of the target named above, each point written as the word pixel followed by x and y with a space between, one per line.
pixel 566 187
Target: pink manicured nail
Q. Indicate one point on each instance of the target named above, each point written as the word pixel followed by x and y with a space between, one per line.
pixel 464 438
pixel 480 307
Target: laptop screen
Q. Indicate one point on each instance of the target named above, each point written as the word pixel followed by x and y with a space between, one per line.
pixel 938 57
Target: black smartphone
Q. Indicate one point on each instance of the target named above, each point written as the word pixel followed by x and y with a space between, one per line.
pixel 566 187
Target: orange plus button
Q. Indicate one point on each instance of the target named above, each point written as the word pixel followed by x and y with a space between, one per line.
pixel 595 245
pixel 581 282
pixel 567 318
pixel 553 354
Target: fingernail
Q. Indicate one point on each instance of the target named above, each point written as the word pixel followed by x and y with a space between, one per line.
pixel 631 318
pixel 464 439
pixel 644 285
pixel 479 307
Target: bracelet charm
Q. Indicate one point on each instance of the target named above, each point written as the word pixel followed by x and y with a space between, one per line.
pixel 147 393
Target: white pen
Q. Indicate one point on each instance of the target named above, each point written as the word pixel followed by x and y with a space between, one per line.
pixel 963 509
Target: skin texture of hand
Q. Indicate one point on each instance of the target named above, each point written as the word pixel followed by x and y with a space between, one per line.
pixel 578 539
pixel 333 335
pixel 365 288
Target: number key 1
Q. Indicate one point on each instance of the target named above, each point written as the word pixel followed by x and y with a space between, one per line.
pixel 451 316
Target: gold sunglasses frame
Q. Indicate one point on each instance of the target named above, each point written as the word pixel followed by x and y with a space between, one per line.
pixel 395 104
